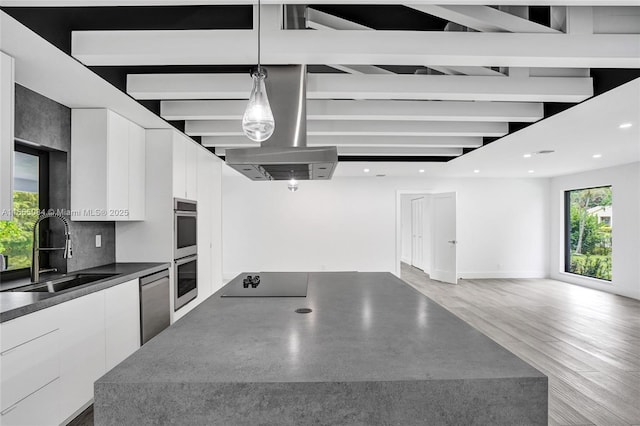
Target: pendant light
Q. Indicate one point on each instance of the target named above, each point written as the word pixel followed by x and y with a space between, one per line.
pixel 258 123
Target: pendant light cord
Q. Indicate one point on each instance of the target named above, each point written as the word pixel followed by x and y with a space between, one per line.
pixel 259 69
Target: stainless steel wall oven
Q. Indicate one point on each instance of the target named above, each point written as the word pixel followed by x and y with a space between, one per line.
pixel 185 252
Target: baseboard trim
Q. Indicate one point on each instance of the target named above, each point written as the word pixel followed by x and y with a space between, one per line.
pixel 502 274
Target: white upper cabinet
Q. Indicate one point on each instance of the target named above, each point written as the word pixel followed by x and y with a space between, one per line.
pixel 137 164
pixel 185 167
pixel 107 167
pixel 7 95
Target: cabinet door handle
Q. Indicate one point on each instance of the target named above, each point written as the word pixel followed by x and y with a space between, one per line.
pixel 452 242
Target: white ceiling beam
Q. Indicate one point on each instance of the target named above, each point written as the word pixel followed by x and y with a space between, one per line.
pixel 375 151
pixel 391 151
pixel 347 86
pixel 484 18
pixel 360 69
pixel 359 141
pixel 323 109
pixel 219 47
pixel 61 3
pixel 477 71
pixel 324 21
pixel 361 128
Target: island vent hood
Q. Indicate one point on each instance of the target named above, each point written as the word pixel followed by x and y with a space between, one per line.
pixel 285 155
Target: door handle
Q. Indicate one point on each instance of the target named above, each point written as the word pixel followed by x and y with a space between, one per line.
pixel 452 242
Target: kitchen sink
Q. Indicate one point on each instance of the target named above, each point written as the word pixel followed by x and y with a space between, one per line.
pixel 64 283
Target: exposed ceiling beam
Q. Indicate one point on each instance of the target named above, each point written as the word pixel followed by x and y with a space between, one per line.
pixel 323 109
pixel 382 151
pixel 52 3
pixel 361 128
pixel 220 47
pixel 478 71
pixel 347 86
pixel 324 21
pixel 484 18
pixel 392 151
pixel 359 141
pixel 360 69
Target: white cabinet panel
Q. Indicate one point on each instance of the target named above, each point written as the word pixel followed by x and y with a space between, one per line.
pixel 38 409
pixel 107 166
pixel 82 352
pixel 191 179
pixel 6 135
pixel 28 367
pixel 185 167
pixel 28 327
pixel 137 164
pixel 179 167
pixel 122 322
pixel 117 163
pixel 205 205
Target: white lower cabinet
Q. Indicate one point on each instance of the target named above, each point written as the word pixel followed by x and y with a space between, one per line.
pixel 38 409
pixel 122 314
pixel 50 359
pixel 29 367
pixel 82 351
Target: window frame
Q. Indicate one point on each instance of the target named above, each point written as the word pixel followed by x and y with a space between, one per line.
pixel 43 200
pixel 567 232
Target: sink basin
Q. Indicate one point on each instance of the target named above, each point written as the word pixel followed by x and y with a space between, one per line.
pixel 64 283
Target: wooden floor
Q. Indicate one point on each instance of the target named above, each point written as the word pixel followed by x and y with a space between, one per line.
pixel 586 341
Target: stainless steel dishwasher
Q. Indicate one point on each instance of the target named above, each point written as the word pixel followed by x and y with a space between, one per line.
pixel 155 311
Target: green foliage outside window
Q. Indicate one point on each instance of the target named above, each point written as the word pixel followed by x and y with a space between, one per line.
pixel 590 232
pixel 16 235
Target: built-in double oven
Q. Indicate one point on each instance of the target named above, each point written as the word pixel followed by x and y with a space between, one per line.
pixel 185 252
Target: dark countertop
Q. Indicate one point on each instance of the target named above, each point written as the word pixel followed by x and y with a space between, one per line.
pixel 16 304
pixel 364 327
pixel 374 351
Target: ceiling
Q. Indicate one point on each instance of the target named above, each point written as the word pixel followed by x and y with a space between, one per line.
pixel 445 88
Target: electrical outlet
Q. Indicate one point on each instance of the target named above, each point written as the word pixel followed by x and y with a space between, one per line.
pixel 98 240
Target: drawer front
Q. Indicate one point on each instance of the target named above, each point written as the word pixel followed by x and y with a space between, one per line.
pixel 38 409
pixel 28 327
pixel 28 367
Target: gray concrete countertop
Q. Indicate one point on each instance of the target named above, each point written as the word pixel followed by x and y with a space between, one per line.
pixel 365 327
pixel 14 304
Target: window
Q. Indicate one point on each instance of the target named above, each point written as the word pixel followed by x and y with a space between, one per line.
pixel 30 188
pixel 588 224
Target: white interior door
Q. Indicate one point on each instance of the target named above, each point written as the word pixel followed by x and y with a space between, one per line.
pixel 444 243
pixel 417 233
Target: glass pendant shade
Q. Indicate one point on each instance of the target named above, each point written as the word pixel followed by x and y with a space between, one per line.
pixel 258 123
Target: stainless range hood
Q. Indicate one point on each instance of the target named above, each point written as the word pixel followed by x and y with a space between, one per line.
pixel 285 154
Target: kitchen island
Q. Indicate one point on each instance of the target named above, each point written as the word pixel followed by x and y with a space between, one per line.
pixel 372 351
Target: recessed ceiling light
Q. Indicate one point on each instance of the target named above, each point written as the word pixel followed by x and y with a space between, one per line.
pixel 597 155
pixel 625 125
pixel 421 171
pixel 366 170
pixel 531 171
pixel 527 155
pixel 476 171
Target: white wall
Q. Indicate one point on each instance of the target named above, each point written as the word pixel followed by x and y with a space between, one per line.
pixel 350 224
pixel 625 186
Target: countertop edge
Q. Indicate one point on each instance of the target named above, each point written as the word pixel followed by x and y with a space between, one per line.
pixel 144 269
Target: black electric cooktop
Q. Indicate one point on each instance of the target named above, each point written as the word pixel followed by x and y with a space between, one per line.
pixel 267 284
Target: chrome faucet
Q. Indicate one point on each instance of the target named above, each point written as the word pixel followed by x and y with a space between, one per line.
pixel 35 258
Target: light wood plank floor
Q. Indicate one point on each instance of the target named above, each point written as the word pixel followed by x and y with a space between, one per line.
pixel 586 341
